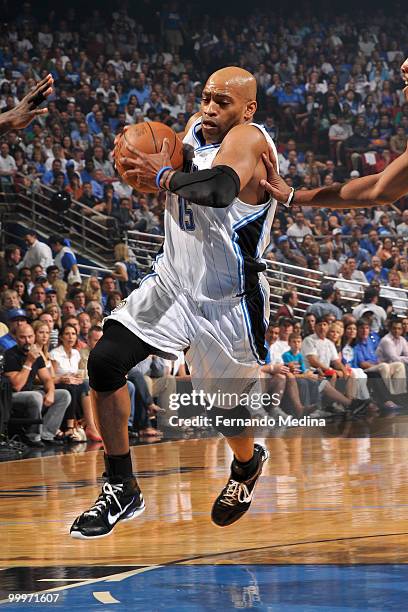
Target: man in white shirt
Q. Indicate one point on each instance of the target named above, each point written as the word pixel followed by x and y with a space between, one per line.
pixel 318 351
pixel 8 166
pixel 329 266
pixel 299 229
pixel 281 345
pixel 347 288
pixel 393 347
pixel 38 253
pixel 371 295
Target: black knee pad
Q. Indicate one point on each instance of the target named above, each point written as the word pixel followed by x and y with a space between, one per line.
pixel 104 370
pixel 113 356
pixel 236 416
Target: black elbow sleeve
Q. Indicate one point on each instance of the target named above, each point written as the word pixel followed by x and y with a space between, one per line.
pixel 216 187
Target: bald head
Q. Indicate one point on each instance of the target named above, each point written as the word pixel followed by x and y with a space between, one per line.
pixel 236 80
pixel 228 99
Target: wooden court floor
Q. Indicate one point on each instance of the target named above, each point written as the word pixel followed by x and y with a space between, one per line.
pixel 324 499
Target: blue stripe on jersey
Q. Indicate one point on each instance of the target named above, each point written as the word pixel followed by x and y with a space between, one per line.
pixel 237 249
pixel 248 325
pixel 198 137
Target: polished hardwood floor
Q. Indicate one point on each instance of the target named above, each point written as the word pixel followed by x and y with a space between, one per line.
pixel 325 498
pixel 332 498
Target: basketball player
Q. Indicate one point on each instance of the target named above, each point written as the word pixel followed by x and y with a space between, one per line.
pixel 377 189
pixel 27 109
pixel 206 294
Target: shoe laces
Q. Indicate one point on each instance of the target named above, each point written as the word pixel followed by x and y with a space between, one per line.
pixel 109 493
pixel 236 492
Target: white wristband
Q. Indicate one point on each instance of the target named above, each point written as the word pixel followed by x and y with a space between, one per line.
pixel 290 198
pixel 26 367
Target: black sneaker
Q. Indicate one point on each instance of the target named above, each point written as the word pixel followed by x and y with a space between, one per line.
pixel 236 497
pixel 117 502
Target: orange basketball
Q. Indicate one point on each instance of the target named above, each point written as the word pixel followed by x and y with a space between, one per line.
pixel 148 137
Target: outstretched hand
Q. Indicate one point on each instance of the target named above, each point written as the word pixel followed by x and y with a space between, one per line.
pixel 142 168
pixel 27 109
pixel 404 70
pixel 275 185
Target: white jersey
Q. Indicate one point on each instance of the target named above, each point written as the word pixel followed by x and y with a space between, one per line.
pixel 214 253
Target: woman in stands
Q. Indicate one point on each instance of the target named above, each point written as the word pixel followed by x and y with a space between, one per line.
pixel 55 311
pixel 42 340
pixel 358 376
pixel 92 289
pixel 65 360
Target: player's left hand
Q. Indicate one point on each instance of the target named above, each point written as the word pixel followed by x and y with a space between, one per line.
pixel 143 167
pixel 275 185
pixel 27 109
pixel 404 70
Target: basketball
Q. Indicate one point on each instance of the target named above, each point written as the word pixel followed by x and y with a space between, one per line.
pixel 148 137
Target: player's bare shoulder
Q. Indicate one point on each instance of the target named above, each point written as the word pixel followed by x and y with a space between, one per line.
pixel 245 135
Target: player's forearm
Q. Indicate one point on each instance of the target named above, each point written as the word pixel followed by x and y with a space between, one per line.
pixel 215 187
pixel 377 189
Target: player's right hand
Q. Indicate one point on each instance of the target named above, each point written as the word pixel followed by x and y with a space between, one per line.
pixel 275 185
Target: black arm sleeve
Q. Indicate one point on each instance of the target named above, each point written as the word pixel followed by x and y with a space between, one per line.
pixel 216 187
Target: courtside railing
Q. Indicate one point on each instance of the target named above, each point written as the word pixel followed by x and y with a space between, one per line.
pixel 282 277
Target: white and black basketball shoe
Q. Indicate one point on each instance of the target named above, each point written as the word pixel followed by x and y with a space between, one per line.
pixel 236 497
pixel 118 501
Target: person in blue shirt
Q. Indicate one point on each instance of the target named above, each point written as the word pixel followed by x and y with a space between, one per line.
pixel 371 243
pixel 294 356
pixel 16 318
pixel 392 375
pixel 49 177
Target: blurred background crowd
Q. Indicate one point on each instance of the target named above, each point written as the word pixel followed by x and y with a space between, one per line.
pixel 329 93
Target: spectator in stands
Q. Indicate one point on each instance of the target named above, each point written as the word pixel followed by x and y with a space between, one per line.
pixel 8 167
pixel 16 318
pixel 159 384
pixel 108 285
pixel 46 317
pixel 68 309
pixel 95 311
pixel 299 229
pixel 92 289
pixel 377 271
pixel 65 260
pixel 394 292
pixel 320 353
pixel 9 262
pixel 370 304
pixel 290 301
pixel 77 296
pixel 392 374
pixel 402 228
pixel 348 289
pixel 325 305
pixel 281 345
pixel 57 283
pixel 393 347
pixel 65 360
pixel 328 265
pixel 38 253
pixel 23 363
pixel 309 323
pixel 84 326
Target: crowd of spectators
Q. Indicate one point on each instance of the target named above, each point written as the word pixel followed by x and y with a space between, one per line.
pixel 329 93
pixel 50 319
